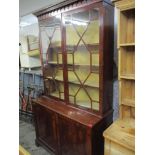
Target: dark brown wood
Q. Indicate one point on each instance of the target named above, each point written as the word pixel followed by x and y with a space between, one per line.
pixel 65 6
pixel 54 7
pixel 108 41
pixel 71 112
pixel 75 138
pixel 65 74
pixel 101 59
pixel 47 127
pixel 65 128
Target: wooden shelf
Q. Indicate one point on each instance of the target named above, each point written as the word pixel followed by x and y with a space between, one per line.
pixel 71 64
pixel 73 81
pixel 126 111
pixel 92 84
pixel 91 47
pixel 84 65
pixel 127 98
pixel 128 76
pixel 93 65
pixel 87 84
pixel 128 102
pixel 127 27
pixel 127 62
pixel 49 77
pixel 126 44
pixel 52 62
pixel 59 78
pixel 71 48
pixel 122 132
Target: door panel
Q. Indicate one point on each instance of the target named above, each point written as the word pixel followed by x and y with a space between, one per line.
pixel 74 138
pixel 46 125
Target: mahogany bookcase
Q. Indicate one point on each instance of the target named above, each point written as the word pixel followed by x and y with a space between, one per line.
pixel 76 52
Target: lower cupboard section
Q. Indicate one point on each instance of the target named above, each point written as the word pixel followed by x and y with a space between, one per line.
pixel 66 136
pixel 45 125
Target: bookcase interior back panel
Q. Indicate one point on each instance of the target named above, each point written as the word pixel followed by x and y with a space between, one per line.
pixel 127 26
pixel 127 101
pixel 127 91
pixel 127 62
pixel 127 112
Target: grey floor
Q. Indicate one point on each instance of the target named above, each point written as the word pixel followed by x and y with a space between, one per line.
pixel 27 131
pixel 27 139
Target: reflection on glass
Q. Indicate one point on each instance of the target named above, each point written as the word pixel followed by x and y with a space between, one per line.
pixel 82 46
pixel 52 56
pixel 29 42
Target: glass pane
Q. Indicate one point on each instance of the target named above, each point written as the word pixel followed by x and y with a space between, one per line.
pixel 52 56
pixel 82 46
pixel 95 105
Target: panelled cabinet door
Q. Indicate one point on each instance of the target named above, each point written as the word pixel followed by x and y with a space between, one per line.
pixel 74 138
pixel 46 123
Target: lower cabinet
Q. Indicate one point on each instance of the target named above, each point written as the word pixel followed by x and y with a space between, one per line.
pixel 45 123
pixel 68 131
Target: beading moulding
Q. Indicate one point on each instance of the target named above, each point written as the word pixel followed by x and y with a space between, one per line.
pixel 59 11
pixel 43 17
pixel 75 4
